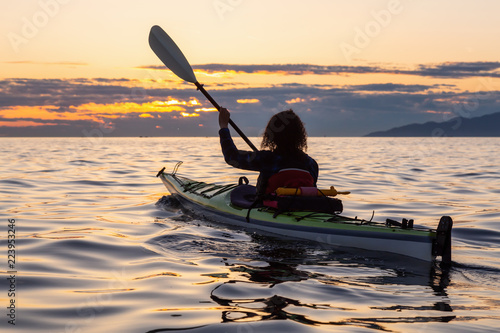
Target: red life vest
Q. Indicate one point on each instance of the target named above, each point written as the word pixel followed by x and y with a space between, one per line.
pixel 289 178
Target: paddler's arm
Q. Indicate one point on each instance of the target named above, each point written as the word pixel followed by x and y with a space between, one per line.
pixel 247 160
pixel 223 117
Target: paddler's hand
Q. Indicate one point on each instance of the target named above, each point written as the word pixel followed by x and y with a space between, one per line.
pixel 223 117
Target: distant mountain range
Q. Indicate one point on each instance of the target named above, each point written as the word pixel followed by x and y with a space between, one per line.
pixel 488 125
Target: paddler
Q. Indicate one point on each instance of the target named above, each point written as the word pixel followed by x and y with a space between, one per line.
pixel 282 160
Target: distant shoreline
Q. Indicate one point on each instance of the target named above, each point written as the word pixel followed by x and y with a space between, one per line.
pixel 484 126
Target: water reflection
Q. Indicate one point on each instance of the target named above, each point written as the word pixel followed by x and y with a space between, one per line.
pixel 277 307
pixel 279 280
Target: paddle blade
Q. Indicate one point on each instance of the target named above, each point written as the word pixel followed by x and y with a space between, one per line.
pixel 170 54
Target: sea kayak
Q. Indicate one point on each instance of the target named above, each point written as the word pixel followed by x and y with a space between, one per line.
pixel 213 202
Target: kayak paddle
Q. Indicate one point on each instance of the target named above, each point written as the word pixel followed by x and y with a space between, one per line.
pixel 170 54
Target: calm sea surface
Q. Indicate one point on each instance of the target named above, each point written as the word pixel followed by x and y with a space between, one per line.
pixel 94 252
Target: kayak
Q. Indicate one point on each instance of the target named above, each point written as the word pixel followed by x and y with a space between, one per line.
pixel 214 202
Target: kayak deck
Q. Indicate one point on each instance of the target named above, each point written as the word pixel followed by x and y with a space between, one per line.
pixel 213 202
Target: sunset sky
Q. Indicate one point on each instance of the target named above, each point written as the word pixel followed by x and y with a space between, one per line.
pixel 84 67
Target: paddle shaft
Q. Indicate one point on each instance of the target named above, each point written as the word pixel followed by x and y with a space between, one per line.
pixel 217 106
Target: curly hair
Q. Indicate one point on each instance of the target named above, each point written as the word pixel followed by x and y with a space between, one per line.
pixel 285 133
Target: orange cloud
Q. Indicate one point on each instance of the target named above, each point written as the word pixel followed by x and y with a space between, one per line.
pixel 185 114
pixel 47 112
pixel 126 108
pixel 296 100
pixel 220 73
pixel 216 74
pixel 206 110
pixel 175 102
pixel 23 123
pixel 248 101
pixel 438 112
pixel 96 112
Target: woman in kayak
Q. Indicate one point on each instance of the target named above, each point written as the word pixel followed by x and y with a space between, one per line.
pixel 282 162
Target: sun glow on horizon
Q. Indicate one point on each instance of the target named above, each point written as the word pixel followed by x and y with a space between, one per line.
pixel 25 115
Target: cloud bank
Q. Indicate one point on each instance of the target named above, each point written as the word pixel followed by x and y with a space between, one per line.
pixel 444 70
pixel 127 107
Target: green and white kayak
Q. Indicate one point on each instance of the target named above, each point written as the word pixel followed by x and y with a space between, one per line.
pixel 213 202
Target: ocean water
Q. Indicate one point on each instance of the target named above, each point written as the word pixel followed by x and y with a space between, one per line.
pixel 94 252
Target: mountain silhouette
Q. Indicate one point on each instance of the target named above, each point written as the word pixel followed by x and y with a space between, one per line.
pixel 488 125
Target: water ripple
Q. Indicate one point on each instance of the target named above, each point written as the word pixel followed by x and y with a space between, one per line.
pixel 96 254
